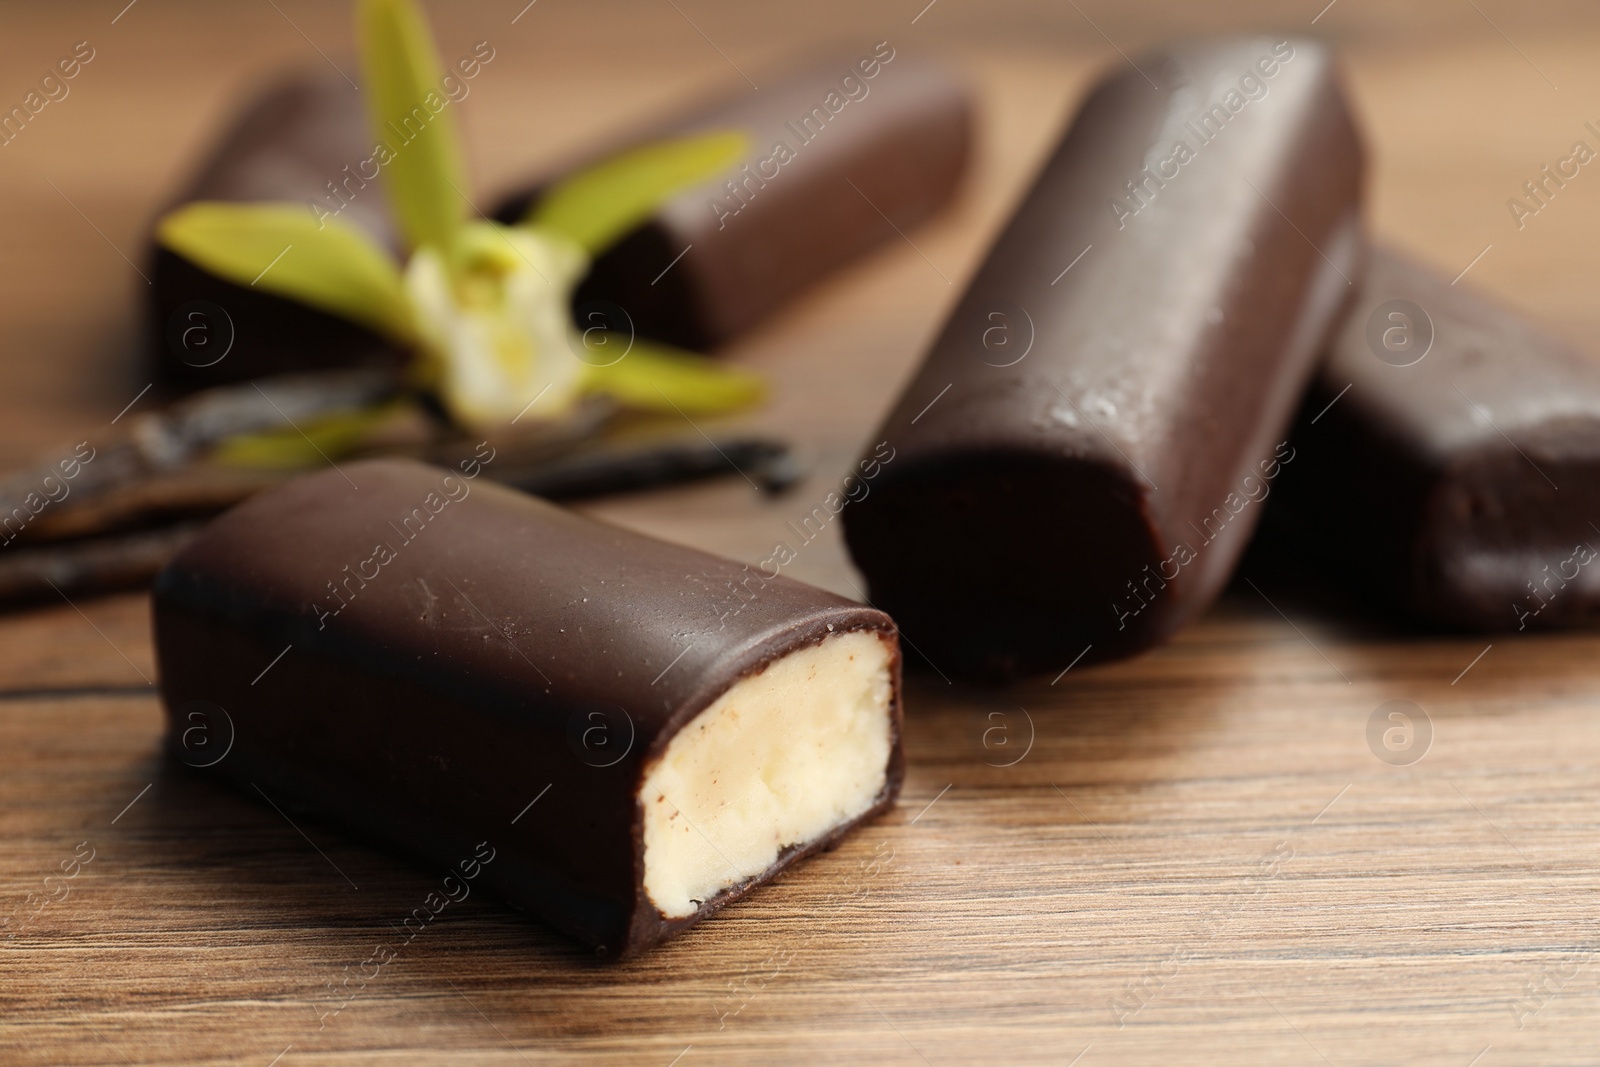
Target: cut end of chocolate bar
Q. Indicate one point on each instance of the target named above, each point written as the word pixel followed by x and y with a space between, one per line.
pixel 942 550
pixel 1450 458
pixel 780 761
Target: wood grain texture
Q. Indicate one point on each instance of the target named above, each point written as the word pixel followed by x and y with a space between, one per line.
pixel 1191 857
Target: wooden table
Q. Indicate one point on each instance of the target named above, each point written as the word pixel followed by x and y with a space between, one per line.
pixel 1191 857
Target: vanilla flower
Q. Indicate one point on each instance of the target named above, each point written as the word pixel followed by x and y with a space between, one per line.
pixel 496 334
pixel 484 308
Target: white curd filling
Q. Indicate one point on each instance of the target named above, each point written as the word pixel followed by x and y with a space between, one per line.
pixel 780 759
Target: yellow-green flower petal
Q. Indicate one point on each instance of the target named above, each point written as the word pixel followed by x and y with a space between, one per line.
pixel 656 377
pixel 411 119
pixel 282 249
pixel 597 206
pixel 325 439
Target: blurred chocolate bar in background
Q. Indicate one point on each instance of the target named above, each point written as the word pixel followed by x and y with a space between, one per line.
pixel 1448 459
pixel 842 154
pixel 293 142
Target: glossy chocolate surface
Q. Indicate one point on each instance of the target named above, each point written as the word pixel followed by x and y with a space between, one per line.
pixel 467 670
pixel 1081 455
pixel 1464 487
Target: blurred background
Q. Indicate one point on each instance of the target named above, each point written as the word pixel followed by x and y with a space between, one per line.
pixel 1462 100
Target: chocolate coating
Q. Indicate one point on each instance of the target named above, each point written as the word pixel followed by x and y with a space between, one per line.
pixel 1072 455
pixel 902 141
pixel 430 710
pixel 287 145
pixel 1462 488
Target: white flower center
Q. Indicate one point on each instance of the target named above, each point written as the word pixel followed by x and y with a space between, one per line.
pixel 496 323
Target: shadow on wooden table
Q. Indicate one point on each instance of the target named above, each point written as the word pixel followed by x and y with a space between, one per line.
pixel 268 865
pixel 312 920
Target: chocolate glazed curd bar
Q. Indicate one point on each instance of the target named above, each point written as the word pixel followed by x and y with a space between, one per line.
pixel 1082 454
pixel 841 153
pixel 640 733
pixel 898 128
pixel 1449 459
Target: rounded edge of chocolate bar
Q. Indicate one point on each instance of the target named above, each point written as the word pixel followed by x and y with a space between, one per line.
pixel 932 537
pixel 1429 511
pixel 1491 549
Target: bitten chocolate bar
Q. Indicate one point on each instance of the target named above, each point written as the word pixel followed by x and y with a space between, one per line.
pixel 1448 457
pixel 641 732
pixel 841 154
pixel 1081 457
